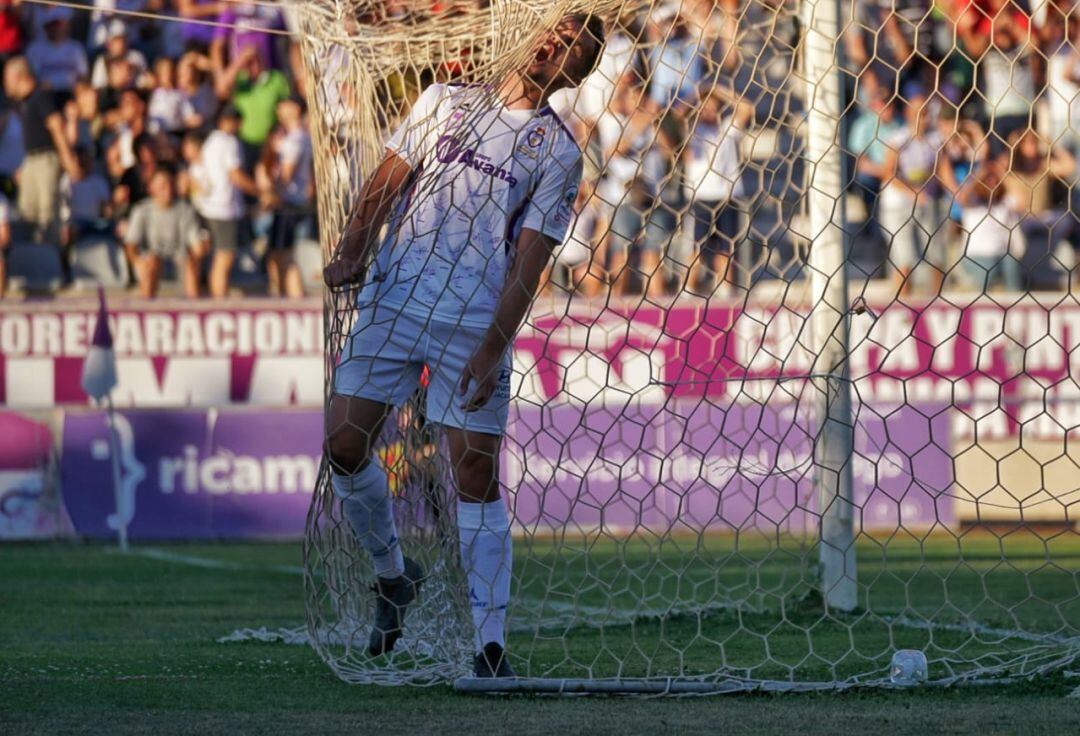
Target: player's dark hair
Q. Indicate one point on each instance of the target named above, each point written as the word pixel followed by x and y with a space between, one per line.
pixel 592 27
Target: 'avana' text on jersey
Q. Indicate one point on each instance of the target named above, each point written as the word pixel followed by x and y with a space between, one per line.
pixel 481 174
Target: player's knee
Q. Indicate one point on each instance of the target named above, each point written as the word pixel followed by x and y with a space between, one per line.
pixel 476 476
pixel 348 451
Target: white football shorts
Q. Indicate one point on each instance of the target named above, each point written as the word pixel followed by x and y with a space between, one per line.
pixel 386 352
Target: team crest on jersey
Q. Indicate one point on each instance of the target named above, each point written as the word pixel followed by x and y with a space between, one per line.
pixel 533 140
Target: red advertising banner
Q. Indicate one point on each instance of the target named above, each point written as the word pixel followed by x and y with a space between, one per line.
pixel 1009 363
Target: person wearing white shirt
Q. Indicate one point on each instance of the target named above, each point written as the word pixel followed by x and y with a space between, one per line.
pixel 56 60
pixel 911 213
pixel 170 110
pixel 219 183
pixel 631 146
pixel 712 175
pixel 475 191
pixel 116 47
pixel 990 220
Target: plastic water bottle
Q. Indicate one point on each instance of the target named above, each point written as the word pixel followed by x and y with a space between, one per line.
pixel 908 668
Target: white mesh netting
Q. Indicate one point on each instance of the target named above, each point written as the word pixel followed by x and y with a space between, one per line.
pixel 797 391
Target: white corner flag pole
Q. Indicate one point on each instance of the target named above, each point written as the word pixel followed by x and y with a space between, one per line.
pixel 118 492
pixel 98 380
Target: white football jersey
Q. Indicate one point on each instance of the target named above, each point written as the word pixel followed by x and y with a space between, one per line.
pixel 481 173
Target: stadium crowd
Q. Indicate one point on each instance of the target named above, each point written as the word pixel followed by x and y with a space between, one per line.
pixel 189 144
pixel 960 134
pixel 184 142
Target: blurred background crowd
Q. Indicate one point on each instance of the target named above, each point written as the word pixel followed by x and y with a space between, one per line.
pixel 959 131
pixel 178 146
pixel 178 143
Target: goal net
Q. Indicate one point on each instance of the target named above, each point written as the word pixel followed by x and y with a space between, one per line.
pixel 796 392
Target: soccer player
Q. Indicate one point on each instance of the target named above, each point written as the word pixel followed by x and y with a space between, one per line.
pixel 475 190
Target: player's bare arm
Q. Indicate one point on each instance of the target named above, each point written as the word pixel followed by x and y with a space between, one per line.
pixel 377 196
pixel 532 253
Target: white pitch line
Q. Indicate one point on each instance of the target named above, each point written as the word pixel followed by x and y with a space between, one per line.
pixel 209 563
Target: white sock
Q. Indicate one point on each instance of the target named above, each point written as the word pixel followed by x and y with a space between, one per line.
pixel 365 498
pixel 486 555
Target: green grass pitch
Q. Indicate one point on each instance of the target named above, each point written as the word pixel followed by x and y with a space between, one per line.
pixel 92 641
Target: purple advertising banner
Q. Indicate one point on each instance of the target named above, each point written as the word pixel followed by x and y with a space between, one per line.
pixel 701 465
pixel 193 474
pixel 681 465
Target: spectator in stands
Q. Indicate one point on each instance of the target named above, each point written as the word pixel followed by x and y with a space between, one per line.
pixel 268 200
pixel 56 60
pixel 140 30
pixel 121 80
pixel 712 179
pixel 624 133
pixel 717 23
pixel 117 47
pixel 1038 178
pixel 82 122
pixel 294 218
pixel 5 241
pixel 191 79
pixel 161 228
pixel 255 90
pixel 33 20
pixel 582 246
pixel 964 148
pixel 133 182
pixel 880 42
pixel 912 214
pixel 219 183
pixel 12 151
pixel 127 124
pixel 1056 54
pixel 875 124
pixel 46 146
pixel 676 63
pixel 199 36
pixel 169 109
pixel 243 25
pixel 86 200
pixel 991 216
pixel 997 34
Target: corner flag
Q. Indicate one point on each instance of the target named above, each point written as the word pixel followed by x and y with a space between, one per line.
pixel 99 366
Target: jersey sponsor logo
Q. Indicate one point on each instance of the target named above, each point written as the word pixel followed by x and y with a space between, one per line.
pixel 527 152
pixel 502 386
pixel 450 150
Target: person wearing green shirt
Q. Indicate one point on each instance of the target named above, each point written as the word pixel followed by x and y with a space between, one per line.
pixel 255 91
